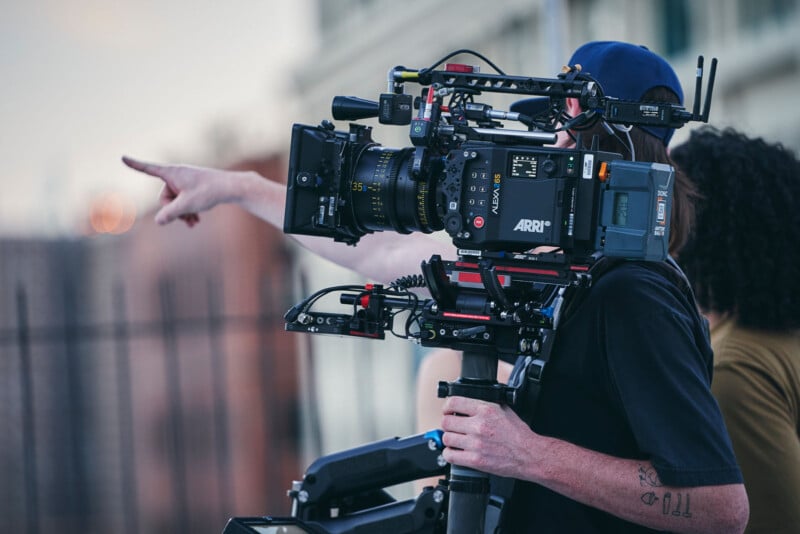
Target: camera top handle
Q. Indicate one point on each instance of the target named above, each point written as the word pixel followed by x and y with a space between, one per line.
pixel 571 83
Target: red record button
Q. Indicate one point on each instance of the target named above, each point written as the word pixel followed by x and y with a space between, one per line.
pixel 478 222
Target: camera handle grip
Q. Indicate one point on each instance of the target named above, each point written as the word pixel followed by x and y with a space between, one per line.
pixel 468 488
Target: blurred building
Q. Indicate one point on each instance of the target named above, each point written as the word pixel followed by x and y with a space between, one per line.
pixel 147 383
pixel 757 44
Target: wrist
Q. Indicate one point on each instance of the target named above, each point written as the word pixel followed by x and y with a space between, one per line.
pixel 541 468
pixel 244 187
pixel 260 196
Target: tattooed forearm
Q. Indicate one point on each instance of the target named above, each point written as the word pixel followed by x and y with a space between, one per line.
pixel 677 504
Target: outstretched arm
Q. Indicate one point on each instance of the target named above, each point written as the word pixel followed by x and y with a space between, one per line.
pixel 493 439
pixel 189 190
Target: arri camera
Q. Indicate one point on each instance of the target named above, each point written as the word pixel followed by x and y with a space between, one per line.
pixel 531 223
pixel 490 188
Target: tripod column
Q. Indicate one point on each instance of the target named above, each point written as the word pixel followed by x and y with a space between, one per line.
pixel 468 488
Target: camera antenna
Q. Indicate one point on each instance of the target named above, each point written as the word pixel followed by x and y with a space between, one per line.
pixel 711 76
pixel 698 86
pixel 698 90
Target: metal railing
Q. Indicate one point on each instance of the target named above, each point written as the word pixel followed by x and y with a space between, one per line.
pixel 137 426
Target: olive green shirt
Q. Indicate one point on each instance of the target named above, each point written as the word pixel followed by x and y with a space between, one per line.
pixel 757 384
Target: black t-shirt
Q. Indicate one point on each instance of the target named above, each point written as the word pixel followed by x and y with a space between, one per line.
pixel 629 376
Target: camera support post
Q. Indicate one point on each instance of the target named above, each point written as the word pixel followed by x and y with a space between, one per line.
pixel 469 489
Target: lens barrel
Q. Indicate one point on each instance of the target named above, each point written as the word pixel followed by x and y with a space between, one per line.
pixel 386 196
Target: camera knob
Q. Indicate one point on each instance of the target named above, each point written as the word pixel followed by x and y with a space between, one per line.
pixel 549 167
pixel 452 223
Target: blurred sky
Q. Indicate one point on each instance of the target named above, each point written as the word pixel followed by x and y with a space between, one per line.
pixel 86 81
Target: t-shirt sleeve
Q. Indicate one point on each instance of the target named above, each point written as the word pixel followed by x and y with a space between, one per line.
pixel 764 435
pixel 662 380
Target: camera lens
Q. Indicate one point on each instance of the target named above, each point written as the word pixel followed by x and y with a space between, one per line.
pixel 385 195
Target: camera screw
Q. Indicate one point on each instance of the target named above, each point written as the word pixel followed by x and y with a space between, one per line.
pixel 303 179
pixel 440 461
pixel 302 496
pixel 432 444
pixel 438 496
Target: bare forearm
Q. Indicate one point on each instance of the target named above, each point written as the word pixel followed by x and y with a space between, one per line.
pixel 260 196
pixel 630 489
pixel 382 256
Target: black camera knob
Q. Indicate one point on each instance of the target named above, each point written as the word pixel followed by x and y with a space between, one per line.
pixel 549 167
pixel 452 223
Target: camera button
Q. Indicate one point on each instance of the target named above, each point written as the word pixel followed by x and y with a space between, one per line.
pixel 478 222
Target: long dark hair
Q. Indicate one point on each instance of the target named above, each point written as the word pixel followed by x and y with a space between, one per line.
pixel 649 148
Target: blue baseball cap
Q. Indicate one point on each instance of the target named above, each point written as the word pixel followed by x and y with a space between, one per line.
pixel 624 71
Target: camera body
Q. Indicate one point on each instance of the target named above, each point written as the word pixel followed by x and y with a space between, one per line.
pixel 487 195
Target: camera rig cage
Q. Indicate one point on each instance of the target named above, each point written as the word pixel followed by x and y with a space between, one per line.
pixel 499 194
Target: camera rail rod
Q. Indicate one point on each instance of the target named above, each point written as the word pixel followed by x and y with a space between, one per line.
pixel 584 90
pixel 588 92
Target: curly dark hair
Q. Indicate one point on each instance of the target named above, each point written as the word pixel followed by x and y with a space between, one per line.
pixel 743 255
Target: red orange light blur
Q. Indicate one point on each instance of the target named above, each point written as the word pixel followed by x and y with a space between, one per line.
pixel 112 213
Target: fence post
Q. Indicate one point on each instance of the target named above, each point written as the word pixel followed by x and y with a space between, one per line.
pixel 219 377
pixel 130 500
pixel 28 427
pixel 176 427
pixel 75 420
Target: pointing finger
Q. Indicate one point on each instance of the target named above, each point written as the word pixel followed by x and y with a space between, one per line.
pixel 153 169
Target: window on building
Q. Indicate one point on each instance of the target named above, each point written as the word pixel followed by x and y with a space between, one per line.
pixel 333 15
pixel 753 14
pixel 675 25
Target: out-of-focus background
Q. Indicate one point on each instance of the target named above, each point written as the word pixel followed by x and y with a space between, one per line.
pixel 146 382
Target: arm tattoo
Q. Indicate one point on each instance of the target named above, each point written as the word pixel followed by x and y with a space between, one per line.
pixel 681 505
pixel 648 477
